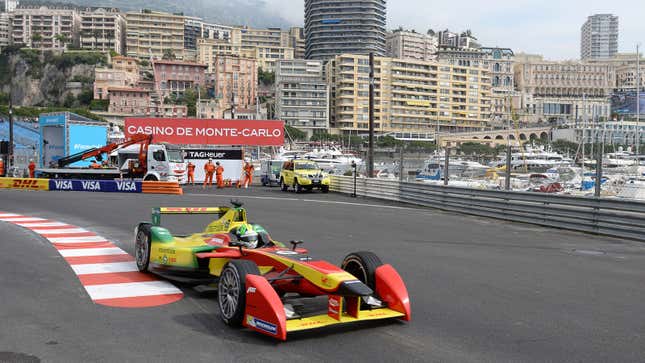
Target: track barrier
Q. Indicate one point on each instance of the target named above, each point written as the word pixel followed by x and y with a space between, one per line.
pixel 604 216
pixel 102 186
pixel 154 187
pixel 24 183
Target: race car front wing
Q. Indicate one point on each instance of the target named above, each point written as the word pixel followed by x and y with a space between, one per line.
pixel 265 312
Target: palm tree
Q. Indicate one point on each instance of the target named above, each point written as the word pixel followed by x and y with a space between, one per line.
pixel 62 39
pixel 36 38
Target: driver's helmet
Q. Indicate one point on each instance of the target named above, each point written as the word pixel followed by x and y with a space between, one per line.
pixel 247 236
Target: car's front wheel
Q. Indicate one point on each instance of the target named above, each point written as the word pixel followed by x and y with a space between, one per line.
pixel 231 290
pixel 283 186
pixel 296 186
pixel 142 247
pixel 363 266
pixel 324 188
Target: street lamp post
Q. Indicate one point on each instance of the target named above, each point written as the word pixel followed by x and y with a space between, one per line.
pixel 11 147
pixel 638 100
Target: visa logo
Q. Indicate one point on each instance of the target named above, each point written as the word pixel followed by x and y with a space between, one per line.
pixel 63 184
pixel 125 186
pixel 91 185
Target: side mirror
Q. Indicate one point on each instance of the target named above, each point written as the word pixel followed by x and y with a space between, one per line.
pixel 295 244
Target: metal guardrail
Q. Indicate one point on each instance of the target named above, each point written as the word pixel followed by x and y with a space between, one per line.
pixel 611 217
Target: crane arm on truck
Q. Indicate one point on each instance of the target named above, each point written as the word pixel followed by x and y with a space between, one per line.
pixel 144 140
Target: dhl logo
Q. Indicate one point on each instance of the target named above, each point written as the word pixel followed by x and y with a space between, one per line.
pixel 26 184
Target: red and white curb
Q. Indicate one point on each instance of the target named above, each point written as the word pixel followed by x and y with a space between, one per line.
pixel 109 275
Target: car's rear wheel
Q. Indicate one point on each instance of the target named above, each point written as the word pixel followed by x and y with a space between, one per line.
pixel 231 290
pixel 283 186
pixel 363 266
pixel 142 246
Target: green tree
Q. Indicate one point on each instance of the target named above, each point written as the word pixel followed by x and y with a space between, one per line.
pixel 36 38
pixel 69 100
pixel 474 148
pixel 168 54
pixel 266 78
pixel 294 133
pixel 85 97
pixel 61 38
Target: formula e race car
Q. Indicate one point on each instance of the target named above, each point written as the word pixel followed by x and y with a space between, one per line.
pixel 258 278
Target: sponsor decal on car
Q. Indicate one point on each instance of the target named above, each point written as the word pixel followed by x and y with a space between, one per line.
pixel 261 325
pixel 286 252
pixel 250 290
pixel 334 306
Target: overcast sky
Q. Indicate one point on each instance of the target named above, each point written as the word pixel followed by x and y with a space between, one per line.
pixel 547 27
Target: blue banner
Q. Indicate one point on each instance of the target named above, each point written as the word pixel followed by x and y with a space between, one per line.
pixel 105 186
pixel 86 137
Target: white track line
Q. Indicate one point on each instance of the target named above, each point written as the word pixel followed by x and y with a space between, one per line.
pixel 77 239
pixel 83 252
pixel 22 219
pixel 104 268
pixel 70 230
pixel 47 224
pixel 4 215
pixel 132 289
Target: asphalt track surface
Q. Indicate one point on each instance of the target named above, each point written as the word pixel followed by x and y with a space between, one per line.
pixel 481 290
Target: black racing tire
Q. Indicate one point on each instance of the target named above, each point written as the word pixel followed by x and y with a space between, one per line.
pixel 142 246
pixel 150 178
pixel 363 266
pixel 324 188
pixel 296 186
pixel 284 187
pixel 231 290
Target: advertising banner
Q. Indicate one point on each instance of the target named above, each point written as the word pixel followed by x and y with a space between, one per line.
pixel 624 103
pixel 26 184
pixel 185 131
pixel 230 159
pixel 85 137
pixel 52 138
pixel 105 186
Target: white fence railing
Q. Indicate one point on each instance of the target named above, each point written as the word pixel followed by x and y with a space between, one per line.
pixel 611 217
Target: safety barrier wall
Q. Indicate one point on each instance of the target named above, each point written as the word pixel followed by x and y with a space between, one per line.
pixel 105 186
pixel 24 183
pixel 611 217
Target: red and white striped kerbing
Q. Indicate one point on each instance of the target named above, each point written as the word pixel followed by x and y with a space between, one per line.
pixel 109 275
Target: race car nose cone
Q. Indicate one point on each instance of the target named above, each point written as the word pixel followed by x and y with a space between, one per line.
pixel 354 288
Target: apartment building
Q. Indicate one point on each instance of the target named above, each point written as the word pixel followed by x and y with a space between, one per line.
pixel 102 29
pixel 266 45
pixel 626 67
pixel 209 49
pixel 10 5
pixel 175 77
pixel 124 73
pixel 196 28
pixel 344 27
pixel 412 97
pixel 411 45
pixel 568 90
pixel 302 97
pixel 297 42
pixel 599 37
pixel 44 27
pixel 151 33
pixel 129 101
pixel 235 80
pixel 5 30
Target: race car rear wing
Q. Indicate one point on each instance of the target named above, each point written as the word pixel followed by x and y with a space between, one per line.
pixel 157 212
